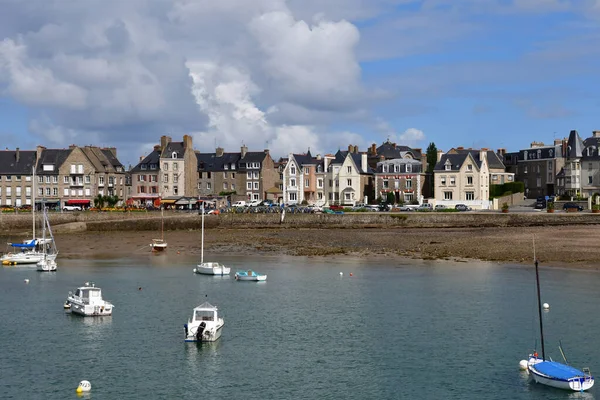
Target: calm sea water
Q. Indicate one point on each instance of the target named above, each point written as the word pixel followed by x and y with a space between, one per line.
pixel 391 331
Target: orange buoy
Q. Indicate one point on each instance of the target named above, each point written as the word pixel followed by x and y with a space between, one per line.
pixel 350 273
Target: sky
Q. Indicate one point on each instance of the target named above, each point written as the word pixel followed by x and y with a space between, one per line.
pixel 298 74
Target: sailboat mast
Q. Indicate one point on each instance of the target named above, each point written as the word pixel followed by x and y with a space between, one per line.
pixel 202 247
pixel 162 224
pixel 539 299
pixel 44 230
pixel 33 200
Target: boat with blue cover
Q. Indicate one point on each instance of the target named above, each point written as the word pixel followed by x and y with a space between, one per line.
pixel 250 275
pixel 553 373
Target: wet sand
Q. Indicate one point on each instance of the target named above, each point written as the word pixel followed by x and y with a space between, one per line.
pixel 568 246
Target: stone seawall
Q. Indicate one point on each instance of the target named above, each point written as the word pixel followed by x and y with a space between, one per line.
pixel 103 222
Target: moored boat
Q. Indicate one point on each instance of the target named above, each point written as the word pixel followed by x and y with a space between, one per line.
pixel 87 301
pixel 205 324
pixel 250 275
pixel 212 268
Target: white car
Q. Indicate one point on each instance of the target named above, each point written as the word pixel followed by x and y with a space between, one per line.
pixel 254 203
pixel 71 208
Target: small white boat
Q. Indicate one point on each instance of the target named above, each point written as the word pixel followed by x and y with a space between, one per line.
pixel 87 301
pixel 209 268
pixel 48 261
pixel 250 276
pixel 205 324
pixel 212 268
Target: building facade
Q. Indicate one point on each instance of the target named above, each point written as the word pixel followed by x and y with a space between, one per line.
pixel 16 177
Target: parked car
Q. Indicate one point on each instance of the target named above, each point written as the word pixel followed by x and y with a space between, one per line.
pixel 572 205
pixel 240 203
pixel 462 207
pixel 440 207
pixel 71 208
pixel 254 203
pixel 425 207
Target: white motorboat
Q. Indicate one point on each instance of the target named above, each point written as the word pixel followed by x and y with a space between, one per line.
pixel 205 324
pixel 209 268
pixel 250 276
pixel 49 252
pixel 87 301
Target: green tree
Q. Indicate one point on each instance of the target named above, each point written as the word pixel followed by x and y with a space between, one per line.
pixel 99 201
pixel 431 157
pixel 111 200
pixel 390 198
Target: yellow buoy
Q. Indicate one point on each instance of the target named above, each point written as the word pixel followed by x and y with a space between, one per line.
pixel 84 386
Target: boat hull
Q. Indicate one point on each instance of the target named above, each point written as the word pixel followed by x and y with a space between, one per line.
pixel 87 310
pixel 191 335
pixel 578 384
pixel 47 265
pixel 246 278
pixel 158 246
pixel 212 269
pixel 21 258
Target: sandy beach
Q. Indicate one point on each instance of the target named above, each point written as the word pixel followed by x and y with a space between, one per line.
pixel 569 246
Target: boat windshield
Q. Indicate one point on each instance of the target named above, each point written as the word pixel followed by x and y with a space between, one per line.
pixel 204 315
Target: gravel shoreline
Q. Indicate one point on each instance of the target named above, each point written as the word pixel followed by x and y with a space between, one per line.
pixel 562 246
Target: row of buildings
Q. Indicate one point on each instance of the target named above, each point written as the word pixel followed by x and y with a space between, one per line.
pixel 174 173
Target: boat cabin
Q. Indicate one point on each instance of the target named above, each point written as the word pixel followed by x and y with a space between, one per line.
pixel 205 312
pixel 89 295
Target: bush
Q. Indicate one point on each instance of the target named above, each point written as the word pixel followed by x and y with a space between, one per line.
pixel 504 206
pixel 507 189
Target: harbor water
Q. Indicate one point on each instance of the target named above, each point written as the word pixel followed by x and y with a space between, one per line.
pixel 383 329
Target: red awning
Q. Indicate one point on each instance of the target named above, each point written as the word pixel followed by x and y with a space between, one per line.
pixel 78 201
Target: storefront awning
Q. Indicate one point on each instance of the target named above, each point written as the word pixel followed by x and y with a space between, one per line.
pixel 78 201
pixel 186 201
pixel 47 201
pixel 167 201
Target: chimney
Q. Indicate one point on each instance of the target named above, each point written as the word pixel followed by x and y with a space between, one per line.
pixel 164 141
pixel 350 148
pixel 326 161
pixel 141 158
pixel 318 157
pixel 373 149
pixel 439 155
pixel 483 154
pixel 267 151
pixel 355 149
pixel 363 162
pixel 187 142
pixel 73 146
pixel 17 155
pixel 460 148
pixel 501 152
pixel 38 152
pixel 157 147
pixel 219 152
pixel 417 150
pixel 244 150
pixel 596 133
pixel 557 142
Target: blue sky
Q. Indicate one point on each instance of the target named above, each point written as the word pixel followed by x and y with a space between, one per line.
pixel 298 74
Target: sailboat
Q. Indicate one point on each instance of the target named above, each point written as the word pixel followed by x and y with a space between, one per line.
pixel 553 373
pixel 30 251
pixel 160 244
pixel 209 268
pixel 49 250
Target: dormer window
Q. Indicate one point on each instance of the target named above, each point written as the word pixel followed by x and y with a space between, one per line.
pixel 143 166
pixel 470 167
pixel 448 166
pixel 225 166
pixel 174 155
pixel 408 168
pixel 384 168
pixel 319 169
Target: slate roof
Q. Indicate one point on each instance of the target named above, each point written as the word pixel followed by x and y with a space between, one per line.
pixel 210 161
pixel 55 157
pixel 456 160
pixel 112 158
pixel 494 162
pixel 340 156
pixel 253 156
pixel 171 147
pixel 591 146
pixel 574 145
pixel 10 166
pixel 152 158
pixel 392 150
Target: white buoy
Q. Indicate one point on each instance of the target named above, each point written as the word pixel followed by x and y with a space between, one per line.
pixel 84 386
pixel 341 274
pixel 546 306
pixel 194 270
pixel 26 280
pixel 523 365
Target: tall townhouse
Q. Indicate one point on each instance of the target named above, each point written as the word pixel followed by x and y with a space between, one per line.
pixel 178 167
pixel 257 173
pixel 349 178
pixel 462 177
pixel 226 175
pixel 109 173
pixel 497 170
pixel 304 179
pixel 538 166
pixel 145 180
pixel 404 177
pixel 581 172
pixel 16 182
pixel 206 174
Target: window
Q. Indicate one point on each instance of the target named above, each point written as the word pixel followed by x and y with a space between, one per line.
pixel 208 186
pixel 143 167
pixel 256 175
pixel 9 191
pixel 539 182
pixel 255 185
pixel 469 180
pixel 443 180
pixel 255 196
pixel 225 186
pixel 337 183
pixel 320 183
pixel 18 178
pixel 452 181
pixel 408 197
pixel 386 184
pixel 87 192
pixel 233 175
pixel 174 155
pixel 101 179
pixel 54 178
pixel 292 182
pixel 408 168
pixel 18 191
pixel 27 191
pixel 249 175
pixel 347 196
pixel 590 166
pixel 448 167
pixel 65 180
pixel 165 178
pixel 47 178
pixel 525 169
pixel 65 192
pixel 175 190
pixel 73 168
pixel 41 179
pixel 152 166
pixel 320 196
pixel 175 166
pixel 80 192
pixel 409 183
pixel 165 166
pixel 349 169
pixel 248 185
pixel 447 195
pixel 73 192
pixel 330 183
pixel 175 178
pixel 293 171
pixel 349 182
pixel 470 167
pixel 509 178
pixel 469 195
pixel 384 168
pixel 590 180
pixel 27 179
pixel 319 169
pixel 8 202
pixel 307 183
pixel 293 196
pixel 232 166
pixel 80 168
pixel 280 177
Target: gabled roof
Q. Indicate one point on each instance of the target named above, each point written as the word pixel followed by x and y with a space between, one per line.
pixel 340 157
pixel 392 150
pixel 574 145
pixel 152 158
pixel 10 166
pixel 112 158
pixel 494 162
pixel 253 156
pixel 456 161
pixel 55 157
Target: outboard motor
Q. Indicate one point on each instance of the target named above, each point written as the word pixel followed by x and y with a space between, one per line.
pixel 200 330
pixel 185 326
